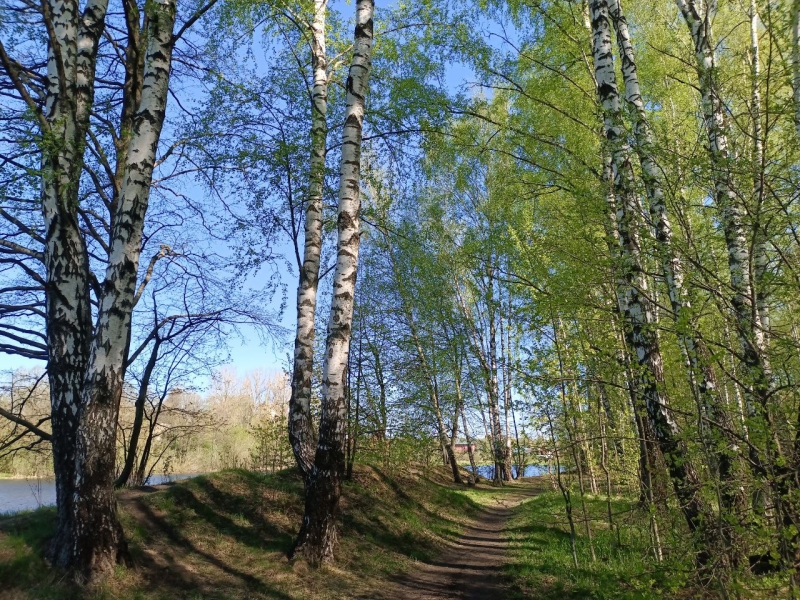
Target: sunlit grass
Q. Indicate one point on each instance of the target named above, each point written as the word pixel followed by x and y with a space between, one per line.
pixel 543 564
pixel 226 535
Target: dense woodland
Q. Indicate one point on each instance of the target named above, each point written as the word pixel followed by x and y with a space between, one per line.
pixel 561 233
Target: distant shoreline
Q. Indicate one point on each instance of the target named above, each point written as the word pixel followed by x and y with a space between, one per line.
pixel 10 476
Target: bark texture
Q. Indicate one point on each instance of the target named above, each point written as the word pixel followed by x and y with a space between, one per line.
pixel 638 314
pixel 702 378
pixel 317 537
pixel 301 427
pixel 97 540
pixel 69 93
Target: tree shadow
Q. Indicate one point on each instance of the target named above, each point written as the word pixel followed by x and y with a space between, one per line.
pixel 179 578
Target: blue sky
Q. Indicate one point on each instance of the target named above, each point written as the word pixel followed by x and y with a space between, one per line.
pixel 247 350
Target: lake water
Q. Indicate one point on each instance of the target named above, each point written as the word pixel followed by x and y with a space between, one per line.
pixel 487 471
pixel 28 494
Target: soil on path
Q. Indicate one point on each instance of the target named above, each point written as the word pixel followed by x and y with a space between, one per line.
pixel 472 567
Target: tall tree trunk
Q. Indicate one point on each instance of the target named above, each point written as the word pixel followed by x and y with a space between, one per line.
pixel 502 470
pixel 98 543
pixel 755 369
pixel 639 318
pixel 317 537
pixel 702 378
pixel 766 454
pixel 69 94
pixel 301 427
pixel 505 352
pixel 761 225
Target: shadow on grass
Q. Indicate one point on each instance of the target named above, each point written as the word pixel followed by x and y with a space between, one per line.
pixel 181 579
pixel 24 538
pixel 261 534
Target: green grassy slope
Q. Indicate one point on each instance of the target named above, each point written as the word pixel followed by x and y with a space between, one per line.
pixel 226 536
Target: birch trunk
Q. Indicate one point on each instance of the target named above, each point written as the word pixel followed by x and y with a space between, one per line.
pixel 69 94
pixel 98 543
pixel 317 537
pixel 502 470
pixel 702 377
pixel 766 455
pixel 651 485
pixel 761 231
pixel 506 373
pixel 755 369
pixel 638 313
pixel 138 419
pixel 301 427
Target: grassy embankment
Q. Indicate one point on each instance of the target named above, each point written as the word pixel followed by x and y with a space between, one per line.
pixel 541 564
pixel 226 536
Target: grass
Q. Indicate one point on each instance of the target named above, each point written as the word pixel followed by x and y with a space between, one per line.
pixel 226 536
pixel 542 564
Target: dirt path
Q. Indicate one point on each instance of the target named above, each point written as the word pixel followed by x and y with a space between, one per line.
pixel 471 569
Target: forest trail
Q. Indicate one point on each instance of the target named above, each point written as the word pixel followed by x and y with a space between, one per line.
pixel 472 567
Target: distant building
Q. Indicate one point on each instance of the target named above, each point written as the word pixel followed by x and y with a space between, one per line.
pixel 462 448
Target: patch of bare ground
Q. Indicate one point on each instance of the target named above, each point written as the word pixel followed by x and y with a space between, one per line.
pixel 471 568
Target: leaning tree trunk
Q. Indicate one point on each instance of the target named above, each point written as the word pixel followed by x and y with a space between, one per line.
pixel 301 427
pixel 97 540
pixel 317 537
pixel 638 316
pixel 702 377
pixel 138 417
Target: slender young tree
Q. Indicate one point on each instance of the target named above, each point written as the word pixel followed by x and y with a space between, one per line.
pixel 638 317
pixel 317 537
pixel 301 426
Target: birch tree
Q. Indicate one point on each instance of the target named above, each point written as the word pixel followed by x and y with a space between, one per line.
pixel 317 537
pixel 86 360
pixel 702 378
pixel 301 427
pixel 639 321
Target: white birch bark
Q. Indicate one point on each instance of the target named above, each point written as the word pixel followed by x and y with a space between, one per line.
pixel 502 470
pixel 638 316
pixel 486 353
pixel 69 91
pixel 301 427
pixel 755 368
pixel 97 536
pixel 761 233
pixel 317 537
pixel 702 377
